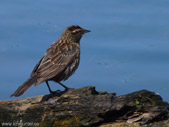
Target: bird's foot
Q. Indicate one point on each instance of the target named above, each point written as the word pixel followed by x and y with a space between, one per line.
pixel 55 92
pixel 59 92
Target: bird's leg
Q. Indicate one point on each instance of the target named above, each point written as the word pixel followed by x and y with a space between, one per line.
pixel 66 88
pixel 51 92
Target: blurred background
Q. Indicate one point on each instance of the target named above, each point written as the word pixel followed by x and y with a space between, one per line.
pixel 127 50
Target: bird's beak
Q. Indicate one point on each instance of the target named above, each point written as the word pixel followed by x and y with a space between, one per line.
pixel 86 31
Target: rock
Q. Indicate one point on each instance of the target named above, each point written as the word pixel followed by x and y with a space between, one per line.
pixel 85 107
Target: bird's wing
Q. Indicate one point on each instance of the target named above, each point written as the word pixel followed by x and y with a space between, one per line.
pixel 36 67
pixel 55 61
pixel 40 61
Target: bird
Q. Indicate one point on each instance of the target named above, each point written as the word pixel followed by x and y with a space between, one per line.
pixel 58 63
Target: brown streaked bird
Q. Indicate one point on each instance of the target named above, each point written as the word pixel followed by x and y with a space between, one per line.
pixel 59 62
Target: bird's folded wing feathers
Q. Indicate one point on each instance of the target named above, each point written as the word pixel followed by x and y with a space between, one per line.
pixel 36 67
pixel 51 65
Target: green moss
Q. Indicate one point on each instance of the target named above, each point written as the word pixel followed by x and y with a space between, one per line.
pixel 47 123
pixel 137 102
pixel 68 122
pixel 33 114
pixel 6 115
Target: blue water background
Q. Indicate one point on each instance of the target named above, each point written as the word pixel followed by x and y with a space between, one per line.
pixel 127 50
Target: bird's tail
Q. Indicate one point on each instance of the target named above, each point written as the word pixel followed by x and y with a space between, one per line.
pixel 25 86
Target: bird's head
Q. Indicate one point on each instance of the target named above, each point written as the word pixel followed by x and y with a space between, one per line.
pixel 74 33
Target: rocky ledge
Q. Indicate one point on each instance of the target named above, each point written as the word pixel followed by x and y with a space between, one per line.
pixel 86 107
